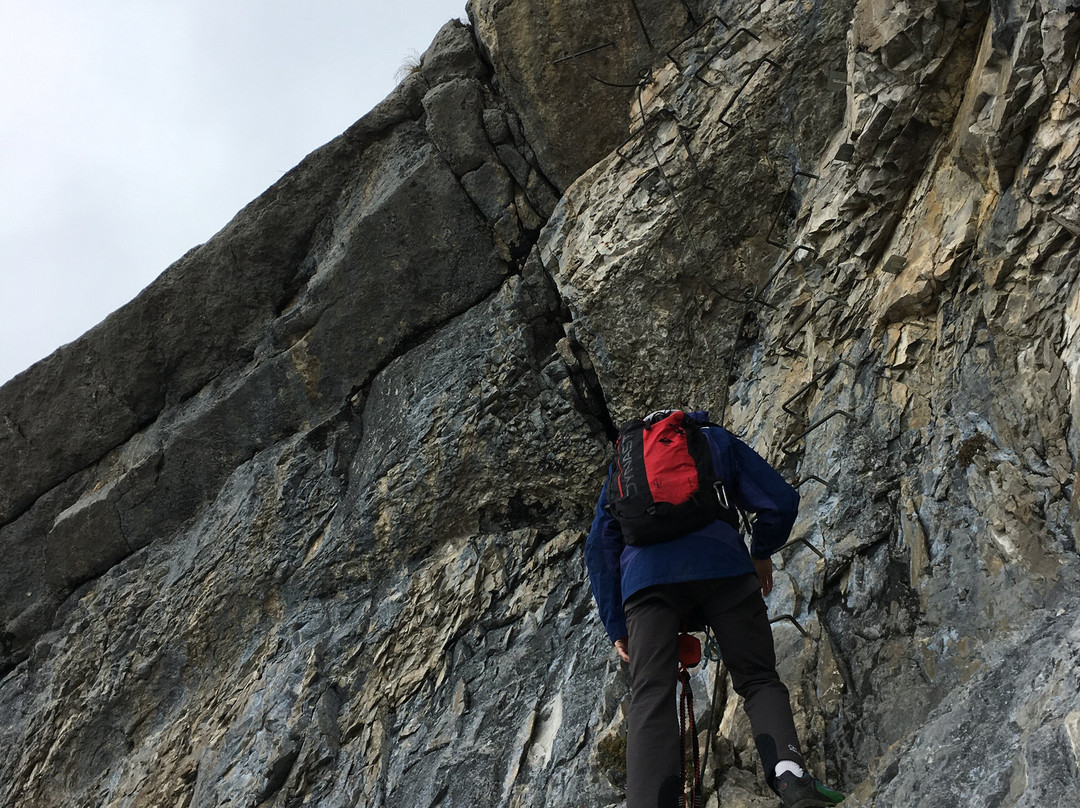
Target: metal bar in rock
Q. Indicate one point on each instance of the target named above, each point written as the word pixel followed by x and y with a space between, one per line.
pixel 636 133
pixel 786 447
pixel 745 84
pixel 785 346
pixel 682 130
pixel 641 22
pixel 690 12
pixel 820 554
pixel 787 618
pixel 829 485
pixel 577 61
pixel 817 377
pixel 723 45
pixel 783 199
pixel 585 52
pixel 776 273
pixel 671 53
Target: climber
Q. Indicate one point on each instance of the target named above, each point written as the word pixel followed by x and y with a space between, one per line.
pixel 646 593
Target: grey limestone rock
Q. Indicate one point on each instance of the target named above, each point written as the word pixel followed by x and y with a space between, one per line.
pixel 303 523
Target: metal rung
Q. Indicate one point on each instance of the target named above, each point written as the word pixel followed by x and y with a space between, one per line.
pixel 788 451
pixel 738 93
pixel 791 619
pixel 583 53
pixel 718 51
pixel 776 273
pixel 690 12
pixel 643 77
pixel 813 383
pixel 780 211
pixel 819 553
pixel 682 130
pixel 785 346
pixel 641 22
pixel 837 82
pixel 786 406
pixel 671 53
pixel 651 120
pixel 830 486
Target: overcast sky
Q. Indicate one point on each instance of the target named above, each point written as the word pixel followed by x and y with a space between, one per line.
pixel 132 130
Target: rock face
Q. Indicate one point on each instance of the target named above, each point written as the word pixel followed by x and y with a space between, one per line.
pixel 303 523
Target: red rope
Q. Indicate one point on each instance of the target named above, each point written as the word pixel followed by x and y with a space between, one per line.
pixel 689 655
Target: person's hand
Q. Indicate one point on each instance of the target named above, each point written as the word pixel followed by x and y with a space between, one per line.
pixel 621 647
pixel 763 567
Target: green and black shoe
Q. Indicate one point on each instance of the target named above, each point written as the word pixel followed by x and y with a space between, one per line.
pixel 805 792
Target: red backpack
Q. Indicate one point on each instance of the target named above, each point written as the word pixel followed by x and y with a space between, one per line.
pixel 663 484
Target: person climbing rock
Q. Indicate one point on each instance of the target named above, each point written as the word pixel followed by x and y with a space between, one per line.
pixel 664 552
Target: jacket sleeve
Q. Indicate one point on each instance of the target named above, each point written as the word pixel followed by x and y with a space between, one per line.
pixel 603 551
pixel 761 490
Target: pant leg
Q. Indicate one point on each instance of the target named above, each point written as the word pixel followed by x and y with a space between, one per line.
pixel 653 764
pixel 746 645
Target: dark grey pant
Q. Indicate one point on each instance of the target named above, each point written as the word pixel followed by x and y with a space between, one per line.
pixel 736 612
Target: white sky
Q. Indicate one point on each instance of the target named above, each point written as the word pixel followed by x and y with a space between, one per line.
pixel 132 130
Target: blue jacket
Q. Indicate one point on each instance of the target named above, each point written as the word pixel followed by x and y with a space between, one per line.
pixel 617 570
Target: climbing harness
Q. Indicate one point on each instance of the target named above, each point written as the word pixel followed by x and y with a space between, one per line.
pixel 689 656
